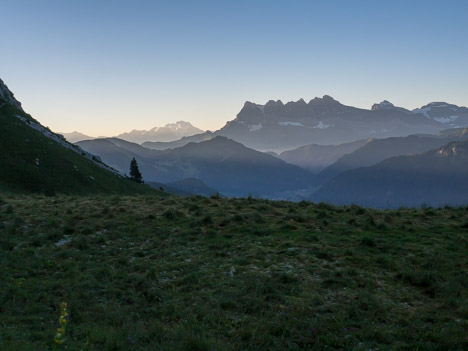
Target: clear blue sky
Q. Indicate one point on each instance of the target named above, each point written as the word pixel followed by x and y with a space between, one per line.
pixel 104 67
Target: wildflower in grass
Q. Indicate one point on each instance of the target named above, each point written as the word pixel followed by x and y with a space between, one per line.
pixel 63 320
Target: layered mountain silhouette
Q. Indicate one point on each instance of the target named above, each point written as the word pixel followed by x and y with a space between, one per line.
pixel 435 178
pixel 278 127
pixel 220 163
pixel 160 145
pixel 315 157
pixel 367 157
pixel 376 150
pixel 75 136
pixel 165 135
pixel 34 159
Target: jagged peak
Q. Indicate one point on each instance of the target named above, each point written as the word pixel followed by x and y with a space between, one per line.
pixel 326 99
pixel 272 103
pixel 301 102
pixel 384 105
pixel 249 104
pixel 8 96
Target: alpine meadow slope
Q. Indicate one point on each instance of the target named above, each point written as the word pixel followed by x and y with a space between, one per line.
pixel 34 159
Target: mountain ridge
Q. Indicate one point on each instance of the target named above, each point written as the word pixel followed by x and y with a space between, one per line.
pixel 220 163
pixel 35 159
pixel 437 177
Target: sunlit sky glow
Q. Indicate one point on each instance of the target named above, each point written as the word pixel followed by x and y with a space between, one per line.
pixel 105 67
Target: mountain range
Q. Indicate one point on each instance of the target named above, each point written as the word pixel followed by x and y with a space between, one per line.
pixel 376 150
pixel 170 132
pixel 280 127
pixel 437 177
pixel 220 163
pixel 315 157
pixel 426 167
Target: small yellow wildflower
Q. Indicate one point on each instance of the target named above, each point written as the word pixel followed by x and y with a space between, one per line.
pixel 63 319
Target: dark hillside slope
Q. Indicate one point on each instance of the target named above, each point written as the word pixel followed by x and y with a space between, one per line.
pixel 436 178
pixel 30 161
pixel 315 158
pixel 220 163
pixel 118 153
pixel 232 168
pixel 377 150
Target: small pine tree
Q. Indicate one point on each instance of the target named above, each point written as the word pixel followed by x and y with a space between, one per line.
pixel 135 174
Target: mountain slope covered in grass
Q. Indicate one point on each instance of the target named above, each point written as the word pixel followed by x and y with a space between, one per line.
pixel 34 159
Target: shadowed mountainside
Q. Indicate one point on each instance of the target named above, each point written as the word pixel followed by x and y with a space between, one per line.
pixel 377 150
pixel 220 163
pixel 34 159
pixel 435 178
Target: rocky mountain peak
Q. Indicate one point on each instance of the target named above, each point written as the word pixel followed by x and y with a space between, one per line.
pixel 301 102
pixel 8 96
pixel 326 99
pixel 384 105
pixel 272 103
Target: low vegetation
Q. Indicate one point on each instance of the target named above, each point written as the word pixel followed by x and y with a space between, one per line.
pixel 32 162
pixel 168 273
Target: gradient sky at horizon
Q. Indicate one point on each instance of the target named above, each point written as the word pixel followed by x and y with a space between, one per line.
pixel 105 67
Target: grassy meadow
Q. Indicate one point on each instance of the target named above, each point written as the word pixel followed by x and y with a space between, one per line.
pixel 167 273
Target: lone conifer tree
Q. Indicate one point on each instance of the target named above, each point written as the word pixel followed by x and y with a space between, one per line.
pixel 135 174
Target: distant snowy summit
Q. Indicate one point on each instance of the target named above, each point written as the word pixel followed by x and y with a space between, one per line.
pixel 75 136
pixel 447 114
pixel 170 132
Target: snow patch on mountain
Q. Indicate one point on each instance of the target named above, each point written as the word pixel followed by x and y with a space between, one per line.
pixel 294 124
pixel 423 110
pixel 322 125
pixel 254 127
pixel 445 120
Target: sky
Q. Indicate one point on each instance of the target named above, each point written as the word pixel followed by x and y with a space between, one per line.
pixel 103 67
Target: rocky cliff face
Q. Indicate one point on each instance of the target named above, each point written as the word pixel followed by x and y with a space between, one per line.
pixel 276 126
pixel 7 96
